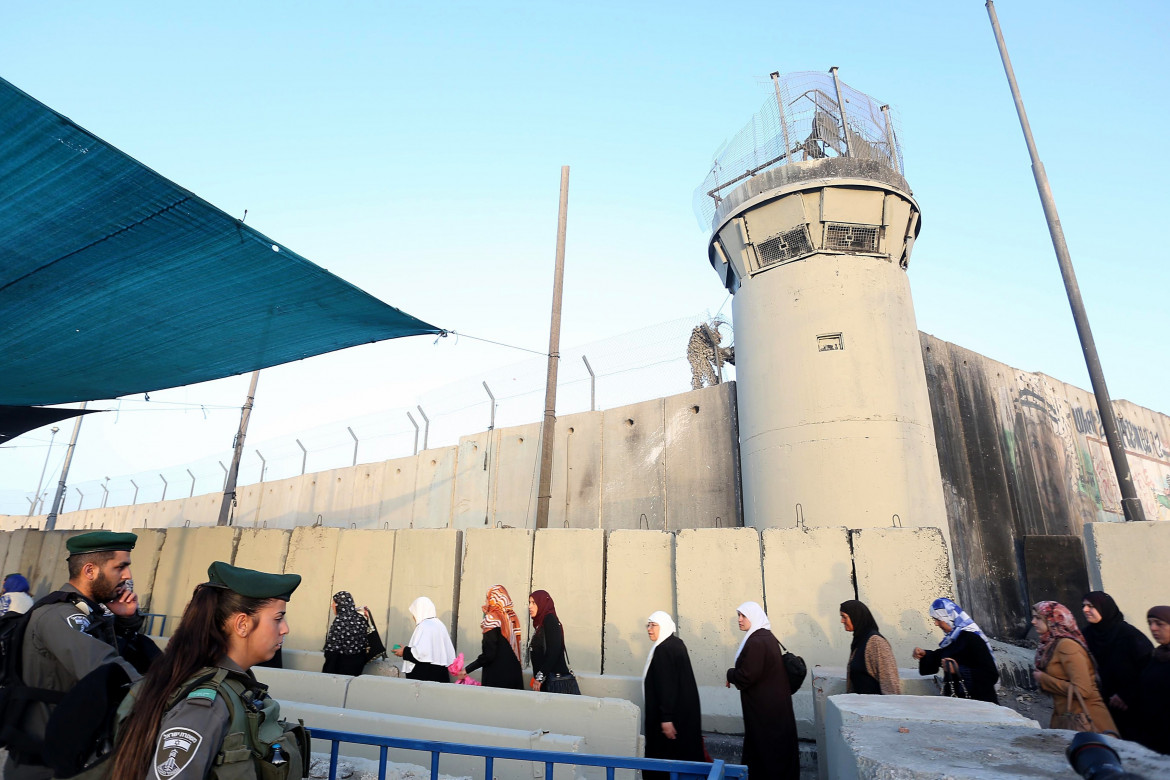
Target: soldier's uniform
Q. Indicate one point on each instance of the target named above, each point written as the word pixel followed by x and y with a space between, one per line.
pixel 66 641
pixel 221 723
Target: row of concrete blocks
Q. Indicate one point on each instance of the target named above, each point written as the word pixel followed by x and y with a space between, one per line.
pixel 605 584
pixel 629 467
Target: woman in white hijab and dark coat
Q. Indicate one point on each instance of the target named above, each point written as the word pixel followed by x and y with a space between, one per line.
pixel 673 718
pixel 430 651
pixel 769 726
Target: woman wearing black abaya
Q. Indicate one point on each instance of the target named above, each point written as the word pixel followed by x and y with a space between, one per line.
pixel 769 725
pixel 345 644
pixel 1153 700
pixel 673 717
pixel 1121 652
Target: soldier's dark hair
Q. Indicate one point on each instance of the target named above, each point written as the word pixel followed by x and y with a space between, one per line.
pixel 77 562
pixel 201 640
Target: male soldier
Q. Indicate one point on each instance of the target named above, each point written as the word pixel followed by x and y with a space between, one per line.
pixel 66 640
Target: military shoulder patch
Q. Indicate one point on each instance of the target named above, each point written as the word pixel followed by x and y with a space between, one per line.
pixel 78 621
pixel 202 695
pixel 176 748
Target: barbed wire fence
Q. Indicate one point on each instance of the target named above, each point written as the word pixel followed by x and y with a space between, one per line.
pixel 801 120
pixel 641 365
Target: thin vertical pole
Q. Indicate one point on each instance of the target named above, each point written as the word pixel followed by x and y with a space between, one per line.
pixel 229 488
pixel 426 426
pixel 59 498
pixel 192 476
pixel 37 495
pixel 492 424
pixel 410 417
pixel 165 486
pixel 134 500
pixel 547 430
pixel 355 443
pixel 304 456
pixel 890 139
pixel 841 111
pixel 783 122
pixel 263 464
pixel 1131 505
pixel 592 385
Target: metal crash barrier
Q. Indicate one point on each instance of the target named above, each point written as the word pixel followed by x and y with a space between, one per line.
pixel 677 769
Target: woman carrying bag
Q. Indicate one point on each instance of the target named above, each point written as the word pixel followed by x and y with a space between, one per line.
pixel 550 665
pixel 1065 670
pixel 345 644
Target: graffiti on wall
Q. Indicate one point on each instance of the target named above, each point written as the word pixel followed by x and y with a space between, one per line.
pixel 1080 439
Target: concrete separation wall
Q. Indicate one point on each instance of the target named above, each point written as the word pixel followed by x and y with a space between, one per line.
pixel 364 568
pixel 639 579
pixel 182 564
pixel 702 459
pixel 633 487
pixel 716 570
pixel 807 574
pixel 491 556
pixel 144 565
pixel 899 572
pixel 426 563
pixel 312 553
pixel 1128 561
pixel 570 564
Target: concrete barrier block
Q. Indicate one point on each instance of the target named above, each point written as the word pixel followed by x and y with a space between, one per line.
pixel 702 459
pixel 312 553
pixel 578 589
pixel 639 579
pixel 158 514
pixel 264 549
pixel 875 736
pixel 144 564
pixel 1127 561
pixel 474 469
pixel 716 570
pixel 434 488
pixel 51 570
pixel 186 553
pixel 327 690
pixel 5 536
pixel 426 563
pixel 247 511
pixel 492 556
pixel 516 453
pixel 331 497
pixel 633 483
pixel 68 521
pixel 200 511
pixel 899 572
pixel 396 505
pixel 379 724
pixel 111 518
pixel 281 503
pixel 24 551
pixel 364 561
pixel 576 472
pixel 827 681
pixel 609 726
pixel 807 574
pixel 363 482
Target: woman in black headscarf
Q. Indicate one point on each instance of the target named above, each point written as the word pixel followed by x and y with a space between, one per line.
pixel 345 644
pixel 1121 652
pixel 872 667
pixel 1153 698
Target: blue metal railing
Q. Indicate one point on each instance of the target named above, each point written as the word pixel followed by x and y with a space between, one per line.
pixel 677 769
pixel 150 617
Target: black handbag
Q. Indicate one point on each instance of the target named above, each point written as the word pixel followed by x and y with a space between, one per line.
pixel 374 645
pixel 952 682
pixel 795 666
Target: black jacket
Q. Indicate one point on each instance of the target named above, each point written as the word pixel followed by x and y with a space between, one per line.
pixel 501 667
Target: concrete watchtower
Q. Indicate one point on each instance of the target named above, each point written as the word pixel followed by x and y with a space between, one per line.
pixel 812 226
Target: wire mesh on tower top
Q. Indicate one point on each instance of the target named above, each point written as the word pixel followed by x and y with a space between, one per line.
pixel 812 129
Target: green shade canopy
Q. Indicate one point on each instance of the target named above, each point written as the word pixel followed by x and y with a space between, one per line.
pixel 114 280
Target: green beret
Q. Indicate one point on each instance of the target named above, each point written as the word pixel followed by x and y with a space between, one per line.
pixel 253 584
pixel 100 541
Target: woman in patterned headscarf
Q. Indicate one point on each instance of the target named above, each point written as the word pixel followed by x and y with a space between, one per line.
pixel 345 644
pixel 1065 668
pixel 500 657
pixel 965 651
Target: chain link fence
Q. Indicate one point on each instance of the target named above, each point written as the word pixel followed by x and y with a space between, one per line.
pixel 641 365
pixel 801 120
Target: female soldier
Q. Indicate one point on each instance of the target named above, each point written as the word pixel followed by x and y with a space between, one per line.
pixel 199 712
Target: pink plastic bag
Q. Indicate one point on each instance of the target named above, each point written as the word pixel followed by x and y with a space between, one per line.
pixel 456 667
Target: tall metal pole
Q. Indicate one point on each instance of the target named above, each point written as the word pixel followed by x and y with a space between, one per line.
pixel 890 139
pixel 1131 505
pixel 229 488
pixel 841 111
pixel 783 122
pixel 51 520
pixel 37 496
pixel 547 430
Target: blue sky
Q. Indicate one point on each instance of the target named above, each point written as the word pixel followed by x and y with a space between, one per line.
pixel 415 151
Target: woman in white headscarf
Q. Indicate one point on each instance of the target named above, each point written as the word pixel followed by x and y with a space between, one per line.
pixel 673 718
pixel 430 651
pixel 769 724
